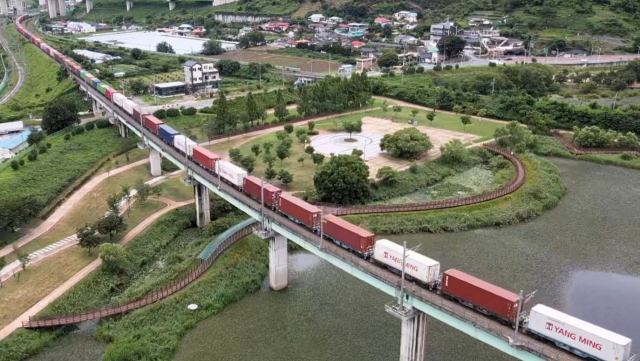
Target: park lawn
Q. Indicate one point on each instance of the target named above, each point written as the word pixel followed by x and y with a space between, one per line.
pixel 177 191
pixel 189 123
pixel 118 161
pixel 40 279
pixel 41 84
pixel 90 208
pixel 151 100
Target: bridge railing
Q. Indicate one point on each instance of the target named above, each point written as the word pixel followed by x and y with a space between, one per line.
pixel 578 150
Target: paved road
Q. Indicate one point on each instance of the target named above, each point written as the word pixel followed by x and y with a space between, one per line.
pixel 66 207
pixel 21 74
pixel 17 323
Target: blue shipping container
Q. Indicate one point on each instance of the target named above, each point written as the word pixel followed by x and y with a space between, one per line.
pixel 94 83
pixel 167 133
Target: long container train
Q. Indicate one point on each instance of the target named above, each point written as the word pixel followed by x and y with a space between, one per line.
pixel 567 332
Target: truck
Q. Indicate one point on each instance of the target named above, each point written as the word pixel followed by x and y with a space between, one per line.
pixel 253 186
pixel 299 211
pixel 348 235
pixel 184 144
pixel 231 173
pixel 205 157
pixel 417 266
pixel 481 295
pixel 167 133
pixel 578 336
pixel 151 122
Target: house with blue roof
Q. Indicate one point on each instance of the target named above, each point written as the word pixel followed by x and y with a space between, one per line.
pixel 13 144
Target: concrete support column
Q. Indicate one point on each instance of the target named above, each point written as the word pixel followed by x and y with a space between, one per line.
pixel 413 339
pixel 172 5
pixel 53 8
pixel 62 7
pixel 278 268
pixel 129 4
pixel 89 4
pixel 156 162
pixel 96 109
pixel 4 7
pixel 203 205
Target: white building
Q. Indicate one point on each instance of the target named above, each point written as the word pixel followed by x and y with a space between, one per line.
pixel 11 127
pixel 10 145
pixel 79 27
pixel 185 28
pixel 317 18
pixel 345 71
pixel 406 16
pixel 96 57
pixel 244 31
pixel 199 76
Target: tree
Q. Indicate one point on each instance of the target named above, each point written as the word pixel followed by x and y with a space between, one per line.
pixel 357 152
pixel 164 47
pixel 343 180
pixel 387 175
pixel 301 160
pixel 59 114
pixel 288 128
pixel 451 45
pixel 224 117
pixel 35 138
pixel 482 113
pixel 156 191
pixel 270 173
pixel 33 155
pixel 283 152
pixel 407 143
pixel 212 47
pixel 228 67
pixel 560 78
pixel 248 163
pixel 267 147
pixel 311 125
pixel 430 117
pixel 351 126
pixel 309 150
pixel 139 87
pixel 255 149
pixel 115 258
pixel 280 110
pixel 62 73
pixel 302 135
pixel 143 191
pixel 388 59
pixel 110 224
pixel 268 159
pixel 414 113
pixel 466 120
pixel 396 109
pixel 538 122
pixel 262 114
pixel 454 152
pixel 24 259
pixel 515 137
pixel 317 158
pixel 15 165
pixel 253 111
pixel 235 155
pixel 136 53
pixel 387 31
pixel 88 237
pixel 285 177
pixel 457 108
pixel 126 195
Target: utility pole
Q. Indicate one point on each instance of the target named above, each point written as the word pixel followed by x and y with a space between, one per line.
pixel 404 262
pixel 520 300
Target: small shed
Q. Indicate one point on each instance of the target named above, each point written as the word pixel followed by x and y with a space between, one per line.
pixel 170 89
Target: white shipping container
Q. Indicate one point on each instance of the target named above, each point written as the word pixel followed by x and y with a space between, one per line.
pixel 184 144
pixel 119 99
pixel 578 334
pixel 44 46
pixel 231 172
pixel 418 266
pixel 128 106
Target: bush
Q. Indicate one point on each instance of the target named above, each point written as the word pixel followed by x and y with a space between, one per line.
pixel 48 145
pixel 160 114
pixel 406 143
pixel 172 113
pixel 437 68
pixel 457 66
pixel 387 175
pixel 101 124
pixel 78 130
pixel 206 110
pixel 42 149
pixel 33 155
pixel 189 111
pixel 67 137
pixel 492 64
pixel 420 70
pixel 15 165
pixel 167 166
pixel 89 126
pixel 625 156
pixel 21 162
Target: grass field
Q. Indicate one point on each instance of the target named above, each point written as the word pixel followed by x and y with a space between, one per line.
pixel 177 191
pixel 40 85
pixel 294 62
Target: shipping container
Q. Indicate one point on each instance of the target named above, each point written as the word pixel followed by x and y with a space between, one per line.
pixel 44 46
pixel 205 157
pixel 102 88
pixel 231 172
pixel 348 235
pixel 83 75
pixel 151 122
pixel 418 266
pixel 94 83
pixel 136 114
pixel 167 133
pixel 583 337
pixel 128 106
pixel 481 295
pixel 119 99
pixel 184 144
pixel 299 210
pixel 37 41
pixel 253 187
pixel 110 93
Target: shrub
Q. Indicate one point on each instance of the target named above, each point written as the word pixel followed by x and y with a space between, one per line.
pixel 42 149
pixel 21 162
pixel 48 145
pixel 15 165
pixel 33 155
pixel 206 110
pixel 387 175
pixel 492 64
pixel 79 130
pixel 420 70
pixel 172 113
pixel 101 124
pixel 437 68
pixel 625 156
pixel 67 137
pixel 448 67
pixel 167 166
pixel 457 66
pixel 189 111
pixel 89 126
pixel 160 114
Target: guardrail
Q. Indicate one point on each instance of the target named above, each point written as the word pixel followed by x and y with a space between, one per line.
pixel 578 150
pixel 213 250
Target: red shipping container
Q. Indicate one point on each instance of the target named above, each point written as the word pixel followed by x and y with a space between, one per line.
pixel 110 93
pixel 150 121
pixel 349 234
pixel 253 186
pixel 205 157
pixel 136 114
pixel 300 210
pixel 491 298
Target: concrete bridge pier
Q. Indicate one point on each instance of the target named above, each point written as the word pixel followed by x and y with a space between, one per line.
pixel 4 7
pixel 203 204
pixel 53 8
pixel 172 5
pixel 97 112
pixel 89 4
pixel 414 331
pixel 62 7
pixel 278 267
pixel 129 4
pixel 156 162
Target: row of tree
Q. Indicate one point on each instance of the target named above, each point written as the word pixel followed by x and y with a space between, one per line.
pixel 332 95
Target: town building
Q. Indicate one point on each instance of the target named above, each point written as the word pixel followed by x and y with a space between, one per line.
pixel 11 127
pixel 334 20
pixel 383 21
pixel 12 144
pixel 405 40
pixel 406 16
pixel 169 89
pixel 438 31
pixel 364 64
pixel 199 76
pixel 79 27
pixel 345 71
pixel 244 31
pixel 317 18
pixel 95 56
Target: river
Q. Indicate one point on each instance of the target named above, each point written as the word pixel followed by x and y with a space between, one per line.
pixel 582 257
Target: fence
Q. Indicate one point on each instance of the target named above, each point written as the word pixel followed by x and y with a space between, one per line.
pixel 212 251
pixel 578 150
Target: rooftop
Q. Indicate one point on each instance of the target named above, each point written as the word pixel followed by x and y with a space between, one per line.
pixel 170 84
pixel 16 140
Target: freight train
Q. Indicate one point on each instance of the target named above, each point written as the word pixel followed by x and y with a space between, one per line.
pixel 567 332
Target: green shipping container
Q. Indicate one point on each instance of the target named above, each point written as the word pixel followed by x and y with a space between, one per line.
pixel 83 75
pixel 102 88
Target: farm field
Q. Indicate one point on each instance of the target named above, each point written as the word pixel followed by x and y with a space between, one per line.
pixel 300 63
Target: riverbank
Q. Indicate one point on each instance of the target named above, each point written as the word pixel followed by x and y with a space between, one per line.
pixel 154 260
pixel 551 147
pixel 542 190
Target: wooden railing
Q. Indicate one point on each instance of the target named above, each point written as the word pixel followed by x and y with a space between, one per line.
pixel 578 150
pixel 192 275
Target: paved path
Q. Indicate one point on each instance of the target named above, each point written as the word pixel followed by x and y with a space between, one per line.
pixel 66 207
pixel 17 323
pixel 21 75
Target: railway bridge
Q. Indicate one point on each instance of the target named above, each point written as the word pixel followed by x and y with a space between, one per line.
pixel 418 303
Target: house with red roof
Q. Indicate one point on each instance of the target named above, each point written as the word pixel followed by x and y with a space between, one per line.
pixel 383 21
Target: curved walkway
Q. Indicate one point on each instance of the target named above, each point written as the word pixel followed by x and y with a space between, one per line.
pixel 577 150
pixel 21 75
pixel 219 245
pixel 66 207
pixel 17 323
pixel 508 188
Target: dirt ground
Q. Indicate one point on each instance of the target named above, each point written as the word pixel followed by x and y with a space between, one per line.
pixel 303 64
pixel 373 129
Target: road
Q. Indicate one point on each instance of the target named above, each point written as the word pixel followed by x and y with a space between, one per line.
pixel 21 73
